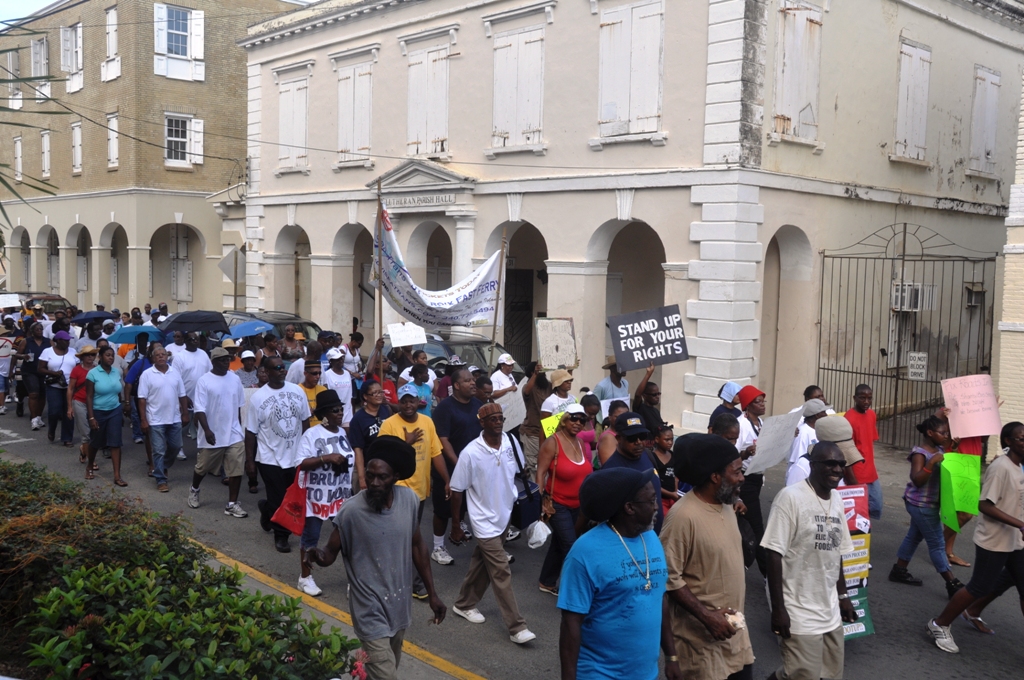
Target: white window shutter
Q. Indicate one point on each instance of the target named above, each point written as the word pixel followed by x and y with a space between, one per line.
pixel 103 72
pixel 285 130
pixel 173 241
pixel 904 102
pixel 196 141
pixel 174 278
pixel 437 100
pixel 614 68
pixel 83 273
pixel 346 111
pixel 362 109
pixel 991 121
pixel 182 250
pixel 44 57
pixel 186 278
pixel 111 33
pixel 36 52
pixel 417 104
pixel 198 71
pixel 66 47
pixel 530 87
pixel 645 68
pixel 196 31
pixel 922 69
pixel 805 103
pixel 506 52
pixel 112 141
pixel 983 120
pixel 79 47
pixel 160 28
pixel 113 276
pixel 791 69
pixel 299 121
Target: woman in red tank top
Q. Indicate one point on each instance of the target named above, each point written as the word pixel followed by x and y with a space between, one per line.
pixel 561 468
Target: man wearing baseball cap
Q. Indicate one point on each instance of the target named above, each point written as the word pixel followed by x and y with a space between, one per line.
pixel 837 430
pixel 502 380
pixel 630 435
pixel 338 379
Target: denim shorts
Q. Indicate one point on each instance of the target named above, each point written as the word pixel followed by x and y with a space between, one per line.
pixel 311 533
pixel 108 436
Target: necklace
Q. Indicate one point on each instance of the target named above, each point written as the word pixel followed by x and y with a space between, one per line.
pixel 647 559
pixel 575 447
pixel 824 509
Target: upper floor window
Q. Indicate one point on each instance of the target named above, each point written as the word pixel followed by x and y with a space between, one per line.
pixel 293 98
pixel 13 72
pixel 17 159
pixel 110 68
pixel 44 152
pixel 40 52
pixel 354 106
pixel 631 48
pixel 797 70
pixel 71 57
pixel 178 42
pixel 183 141
pixel 912 102
pixel 428 102
pixel 112 141
pixel 76 147
pixel 517 112
pixel 984 119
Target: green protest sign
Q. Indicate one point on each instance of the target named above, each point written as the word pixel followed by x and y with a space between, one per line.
pixel 960 487
pixel 865 624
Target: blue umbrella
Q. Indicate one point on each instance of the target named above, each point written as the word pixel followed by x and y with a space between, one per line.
pixel 93 316
pixel 250 328
pixel 130 334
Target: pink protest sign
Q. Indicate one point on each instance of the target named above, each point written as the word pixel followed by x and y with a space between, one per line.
pixel 973 410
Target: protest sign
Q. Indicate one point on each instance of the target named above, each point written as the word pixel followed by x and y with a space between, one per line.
pixel 973 409
pixel 864 625
pixel 606 405
pixel 10 300
pixel 960 487
pixel 855 505
pixel 775 442
pixel 406 334
pixel 550 424
pixel 513 407
pixel 556 343
pixel 651 336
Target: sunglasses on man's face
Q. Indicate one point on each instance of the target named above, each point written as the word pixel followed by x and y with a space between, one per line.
pixel 633 439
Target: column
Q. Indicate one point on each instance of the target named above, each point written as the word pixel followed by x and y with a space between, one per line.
pixel 673 397
pixel 139 284
pixel 577 290
pixel 69 274
pixel 725 308
pixel 16 267
pixel 390 314
pixel 40 271
pixel 462 255
pixel 99 273
pixel 332 295
pixel 255 278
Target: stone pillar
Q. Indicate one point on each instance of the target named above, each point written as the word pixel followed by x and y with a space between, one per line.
pixel 462 253
pixel 332 294
pixel 69 273
pixel 40 271
pixel 255 277
pixel 391 315
pixel 568 284
pixel 725 308
pixel 99 274
pixel 138 276
pixel 673 396
pixel 16 267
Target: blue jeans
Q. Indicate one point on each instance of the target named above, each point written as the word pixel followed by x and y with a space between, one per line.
pixel 166 442
pixel 311 533
pixel 875 499
pixel 57 411
pixel 926 525
pixel 563 535
pixel 136 423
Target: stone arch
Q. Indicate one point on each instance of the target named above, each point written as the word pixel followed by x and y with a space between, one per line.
pixel 345 239
pixel 43 235
pixel 525 289
pixel 428 255
pixel 107 234
pixel 795 253
pixel 601 240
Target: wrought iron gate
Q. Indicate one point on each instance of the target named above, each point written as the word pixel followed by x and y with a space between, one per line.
pixel 900 311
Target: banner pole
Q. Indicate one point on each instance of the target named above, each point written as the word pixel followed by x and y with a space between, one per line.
pixel 497 300
pixel 378 234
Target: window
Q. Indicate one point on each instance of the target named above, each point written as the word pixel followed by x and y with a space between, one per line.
pixel 797 70
pixel 178 41
pixel 183 141
pixel 354 99
pixel 518 91
pixel 110 68
pixel 76 147
pixel 71 56
pixel 13 71
pixel 984 120
pixel 292 120
pixel 428 102
pixel 631 45
pixel 912 103
pixel 44 147
pixel 112 150
pixel 17 159
pixel 40 52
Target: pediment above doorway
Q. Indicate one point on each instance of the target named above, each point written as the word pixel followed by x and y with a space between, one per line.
pixel 417 184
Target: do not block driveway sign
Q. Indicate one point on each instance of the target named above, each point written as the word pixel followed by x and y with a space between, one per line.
pixel 653 335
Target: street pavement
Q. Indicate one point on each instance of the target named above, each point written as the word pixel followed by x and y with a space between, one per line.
pixel 901 647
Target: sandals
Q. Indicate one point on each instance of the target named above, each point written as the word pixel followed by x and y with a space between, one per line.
pixel 120 482
pixel 89 474
pixel 978 624
pixel 82 458
pixel 953 559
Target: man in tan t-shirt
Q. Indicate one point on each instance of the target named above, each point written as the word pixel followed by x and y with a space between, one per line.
pixel 706 582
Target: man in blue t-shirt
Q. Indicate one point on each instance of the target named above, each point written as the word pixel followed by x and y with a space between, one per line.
pixel 612 594
pixel 631 433
pixel 457 425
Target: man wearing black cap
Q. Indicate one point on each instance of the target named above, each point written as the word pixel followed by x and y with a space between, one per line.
pixel 805 541
pixel 630 435
pixel 703 551
pixel 378 536
pixel 612 594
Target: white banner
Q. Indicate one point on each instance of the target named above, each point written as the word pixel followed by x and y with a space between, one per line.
pixel 470 302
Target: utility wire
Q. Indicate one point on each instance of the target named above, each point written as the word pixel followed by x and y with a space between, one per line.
pixel 18 23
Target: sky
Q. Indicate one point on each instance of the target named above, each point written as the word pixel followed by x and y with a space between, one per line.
pixel 16 9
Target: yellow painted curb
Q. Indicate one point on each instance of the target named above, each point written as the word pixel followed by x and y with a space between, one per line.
pixel 407 648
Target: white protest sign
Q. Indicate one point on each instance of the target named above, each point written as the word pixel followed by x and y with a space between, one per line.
pixel 775 442
pixel 406 334
pixel 9 300
pixel 513 407
pixel 973 409
pixel 917 365
pixel 556 343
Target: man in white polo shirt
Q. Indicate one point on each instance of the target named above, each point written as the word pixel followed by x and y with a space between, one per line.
pixel 502 380
pixel 163 408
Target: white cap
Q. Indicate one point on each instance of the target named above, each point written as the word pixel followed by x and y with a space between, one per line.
pixel 247 354
pixel 333 354
pixel 574 408
pixel 507 360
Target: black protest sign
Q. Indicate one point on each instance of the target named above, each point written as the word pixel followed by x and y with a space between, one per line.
pixel 653 335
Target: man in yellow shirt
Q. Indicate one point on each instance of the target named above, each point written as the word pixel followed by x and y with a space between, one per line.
pixel 312 387
pixel 417 430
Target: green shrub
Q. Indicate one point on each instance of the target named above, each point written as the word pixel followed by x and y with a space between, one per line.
pixel 28 489
pixel 107 622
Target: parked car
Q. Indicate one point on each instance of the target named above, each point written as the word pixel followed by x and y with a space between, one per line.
pixel 472 348
pixel 51 303
pixel 279 319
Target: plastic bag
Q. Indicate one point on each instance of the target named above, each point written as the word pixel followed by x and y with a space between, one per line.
pixel 537 534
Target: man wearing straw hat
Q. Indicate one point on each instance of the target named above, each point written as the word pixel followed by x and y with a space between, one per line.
pixel 615 385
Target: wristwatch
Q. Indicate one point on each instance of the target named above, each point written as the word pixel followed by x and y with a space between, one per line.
pixel 844 596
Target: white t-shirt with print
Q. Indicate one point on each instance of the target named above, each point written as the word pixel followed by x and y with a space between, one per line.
pixel 556 404
pixel 325 490
pixel 812 536
pixel 220 397
pixel 161 392
pixel 488 477
pixel 342 384
pixel 276 417
pixel 500 381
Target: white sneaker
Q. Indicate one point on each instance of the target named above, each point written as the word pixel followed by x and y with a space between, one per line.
pixel 3 410
pixel 466 530
pixel 181 455
pixel 522 637
pixel 37 423
pixel 473 616
pixel 510 557
pixel 235 510
pixel 943 637
pixel 512 534
pixel 441 556
pixel 308 586
pixel 193 497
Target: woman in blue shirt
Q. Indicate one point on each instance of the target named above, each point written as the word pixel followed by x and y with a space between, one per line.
pixel 103 389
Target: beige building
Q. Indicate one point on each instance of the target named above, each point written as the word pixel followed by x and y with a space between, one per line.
pixel 723 155
pixel 153 103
